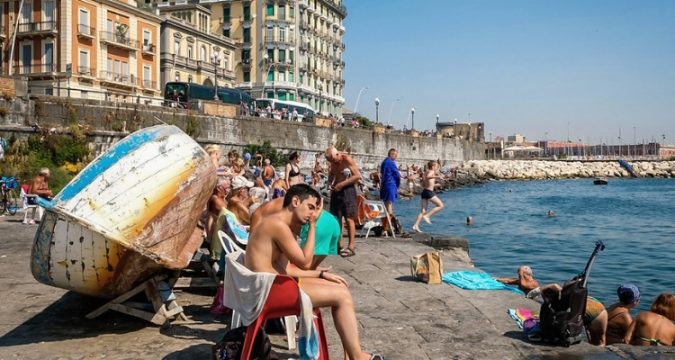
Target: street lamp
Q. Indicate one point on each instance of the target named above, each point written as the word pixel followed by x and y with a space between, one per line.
pixel 356 106
pixel 412 116
pixel 215 59
pixel 437 117
pixel 320 87
pixel 377 110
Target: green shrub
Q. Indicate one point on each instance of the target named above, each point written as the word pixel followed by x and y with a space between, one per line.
pixel 277 158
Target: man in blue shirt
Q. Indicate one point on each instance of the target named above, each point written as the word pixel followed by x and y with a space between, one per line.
pixel 390 180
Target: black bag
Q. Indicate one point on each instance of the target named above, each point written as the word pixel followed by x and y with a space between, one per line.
pixel 230 346
pixel 561 320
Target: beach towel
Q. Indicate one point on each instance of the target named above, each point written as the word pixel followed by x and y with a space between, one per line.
pixel 522 315
pixel 473 280
pixel 246 292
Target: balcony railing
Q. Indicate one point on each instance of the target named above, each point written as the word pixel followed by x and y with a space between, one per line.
pixel 35 69
pixel 37 27
pixel 149 49
pixel 149 84
pixel 119 40
pixel 123 79
pixel 86 71
pixel 86 31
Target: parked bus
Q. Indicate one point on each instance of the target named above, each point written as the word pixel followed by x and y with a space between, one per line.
pixel 305 112
pixel 182 94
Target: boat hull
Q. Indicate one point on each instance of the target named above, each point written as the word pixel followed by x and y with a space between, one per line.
pixel 127 216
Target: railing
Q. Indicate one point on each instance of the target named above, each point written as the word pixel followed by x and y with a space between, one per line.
pixel 116 77
pixel 35 69
pixel 148 48
pixel 118 39
pixel 149 84
pixel 86 71
pixel 37 26
pixel 86 30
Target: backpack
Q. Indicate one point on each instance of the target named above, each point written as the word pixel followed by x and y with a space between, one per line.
pixel 230 346
pixel 561 321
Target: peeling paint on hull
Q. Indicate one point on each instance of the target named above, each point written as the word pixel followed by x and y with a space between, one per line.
pixel 126 216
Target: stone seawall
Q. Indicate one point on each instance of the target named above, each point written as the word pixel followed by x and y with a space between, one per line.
pixel 106 122
pixel 537 169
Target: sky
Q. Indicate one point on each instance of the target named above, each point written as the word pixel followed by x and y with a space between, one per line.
pixel 589 70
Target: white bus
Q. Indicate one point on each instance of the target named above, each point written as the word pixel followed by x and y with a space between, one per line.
pixel 305 112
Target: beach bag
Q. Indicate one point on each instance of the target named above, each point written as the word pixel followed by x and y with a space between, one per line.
pixel 561 321
pixel 232 343
pixel 217 307
pixel 427 267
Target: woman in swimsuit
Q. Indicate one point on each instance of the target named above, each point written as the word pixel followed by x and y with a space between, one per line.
pixel 293 170
pixel 619 318
pixel 655 327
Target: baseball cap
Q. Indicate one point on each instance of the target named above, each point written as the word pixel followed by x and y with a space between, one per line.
pixel 628 293
pixel 240 182
pixel 247 157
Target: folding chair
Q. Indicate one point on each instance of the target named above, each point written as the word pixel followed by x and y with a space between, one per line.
pixel 29 202
pixel 373 213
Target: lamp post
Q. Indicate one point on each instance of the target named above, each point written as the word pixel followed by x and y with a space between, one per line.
pixel 437 117
pixel 267 75
pixel 320 87
pixel 412 117
pixel 391 108
pixel 377 110
pixel 215 59
pixel 356 106
pixel 545 143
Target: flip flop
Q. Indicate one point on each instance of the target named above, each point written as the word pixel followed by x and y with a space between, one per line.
pixel 347 252
pixel 376 357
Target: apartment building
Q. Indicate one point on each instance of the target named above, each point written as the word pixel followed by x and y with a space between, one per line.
pixel 97 49
pixel 190 51
pixel 286 49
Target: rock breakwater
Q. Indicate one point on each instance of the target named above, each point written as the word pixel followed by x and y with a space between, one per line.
pixel 541 169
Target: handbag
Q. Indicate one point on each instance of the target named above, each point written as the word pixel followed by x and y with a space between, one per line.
pixel 427 267
pixel 217 307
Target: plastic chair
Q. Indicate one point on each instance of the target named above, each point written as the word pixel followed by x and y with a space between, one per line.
pixel 372 214
pixel 283 300
pixel 29 202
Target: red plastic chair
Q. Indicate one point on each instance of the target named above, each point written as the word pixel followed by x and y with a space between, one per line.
pixel 283 300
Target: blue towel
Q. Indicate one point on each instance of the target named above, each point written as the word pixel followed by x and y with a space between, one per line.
pixel 473 280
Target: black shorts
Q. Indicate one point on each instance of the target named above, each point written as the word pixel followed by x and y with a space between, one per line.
pixel 427 194
pixel 343 202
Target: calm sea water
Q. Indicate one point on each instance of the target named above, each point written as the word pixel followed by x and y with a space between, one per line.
pixel 635 218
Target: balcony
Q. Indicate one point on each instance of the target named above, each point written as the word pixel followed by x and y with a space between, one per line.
pixel 149 84
pixel 116 79
pixel 36 70
pixel 148 49
pixel 86 71
pixel 46 28
pixel 276 41
pixel 118 40
pixel 85 31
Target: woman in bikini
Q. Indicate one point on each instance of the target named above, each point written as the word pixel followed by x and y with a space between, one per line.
pixel 655 327
pixel 292 171
pixel 619 318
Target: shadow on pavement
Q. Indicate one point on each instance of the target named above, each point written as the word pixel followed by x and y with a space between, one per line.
pixel 200 351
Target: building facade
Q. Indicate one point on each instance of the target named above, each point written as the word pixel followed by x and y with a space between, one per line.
pixel 190 51
pixel 286 49
pixel 97 49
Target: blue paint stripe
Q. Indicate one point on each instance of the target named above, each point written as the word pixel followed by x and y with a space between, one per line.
pixel 107 160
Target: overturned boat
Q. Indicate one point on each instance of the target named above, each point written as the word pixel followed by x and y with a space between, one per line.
pixel 127 216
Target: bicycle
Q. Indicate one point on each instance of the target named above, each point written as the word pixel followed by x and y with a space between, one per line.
pixel 8 198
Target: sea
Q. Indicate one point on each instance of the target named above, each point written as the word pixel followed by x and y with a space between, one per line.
pixel 634 218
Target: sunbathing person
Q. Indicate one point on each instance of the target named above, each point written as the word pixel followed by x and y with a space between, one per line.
pixel 238 200
pixel 272 246
pixel 655 327
pixel 525 280
pixel 619 318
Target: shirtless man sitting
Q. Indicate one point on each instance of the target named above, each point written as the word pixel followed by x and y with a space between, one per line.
pixel 525 280
pixel 272 246
pixel 40 185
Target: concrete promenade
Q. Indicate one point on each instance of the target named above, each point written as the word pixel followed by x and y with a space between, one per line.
pixel 400 318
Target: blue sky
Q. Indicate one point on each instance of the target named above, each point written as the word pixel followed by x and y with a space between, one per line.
pixel 528 67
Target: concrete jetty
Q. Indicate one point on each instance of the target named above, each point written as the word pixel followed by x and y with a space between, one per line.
pixel 399 317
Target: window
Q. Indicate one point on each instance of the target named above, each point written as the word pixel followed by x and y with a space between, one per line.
pixel 291 12
pixel 176 47
pixel 226 14
pixel 270 9
pixel 247 13
pixel 48 11
pixel 48 57
pixel 26 58
pixel 282 33
pixel 270 75
pixel 270 54
pixel 147 76
pixel 247 35
pixel 282 76
pixel 84 63
pixel 282 55
pixel 226 33
pixel 291 96
pixel 291 56
pixel 125 68
pixel 202 53
pixel 270 94
pixel 282 12
pixel 269 32
pixel 177 78
pixel 291 76
pixel 146 38
pixel 27 12
pixel 247 76
pixel 84 22
pixel 246 55
pixel 189 52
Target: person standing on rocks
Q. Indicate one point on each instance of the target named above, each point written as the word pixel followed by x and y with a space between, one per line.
pixel 342 179
pixel 390 180
pixel 428 195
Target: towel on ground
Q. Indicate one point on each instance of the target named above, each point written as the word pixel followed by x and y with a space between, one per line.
pixel 473 280
pixel 246 292
pixel 522 315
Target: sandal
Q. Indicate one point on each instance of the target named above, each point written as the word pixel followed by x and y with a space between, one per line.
pixel 347 252
pixel 376 357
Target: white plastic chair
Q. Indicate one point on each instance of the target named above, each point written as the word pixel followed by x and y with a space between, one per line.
pixel 290 322
pixel 375 205
pixel 29 202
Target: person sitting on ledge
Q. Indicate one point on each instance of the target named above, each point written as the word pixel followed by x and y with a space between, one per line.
pixel 655 327
pixel 272 247
pixel 619 319
pixel 525 279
